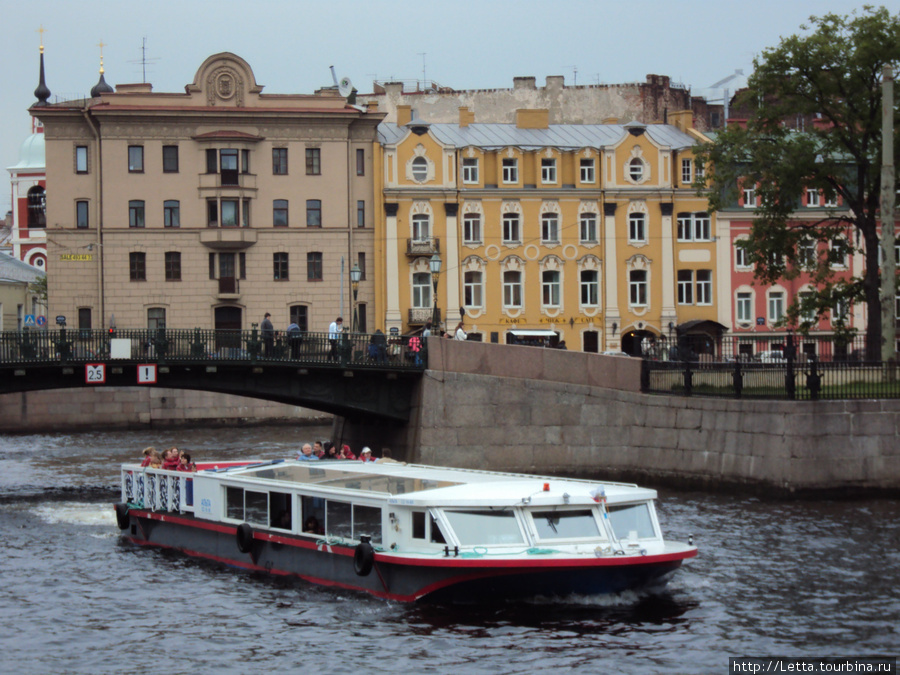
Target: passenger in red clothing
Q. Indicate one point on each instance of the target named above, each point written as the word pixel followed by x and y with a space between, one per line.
pixel 347 453
pixel 366 455
pixel 148 456
pixel 171 459
pixel 185 463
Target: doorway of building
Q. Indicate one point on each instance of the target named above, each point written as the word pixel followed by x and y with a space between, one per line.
pixel 591 341
pixel 632 341
pixel 228 331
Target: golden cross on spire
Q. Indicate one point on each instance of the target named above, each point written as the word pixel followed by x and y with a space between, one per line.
pixel 41 31
pixel 101 44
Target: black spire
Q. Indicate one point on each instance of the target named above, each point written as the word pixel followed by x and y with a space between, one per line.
pixel 42 93
pixel 101 87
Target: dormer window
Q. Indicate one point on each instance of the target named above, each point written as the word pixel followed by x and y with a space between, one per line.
pixel 420 169
pixel 636 170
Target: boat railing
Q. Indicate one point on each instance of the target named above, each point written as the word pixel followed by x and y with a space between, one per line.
pixel 158 489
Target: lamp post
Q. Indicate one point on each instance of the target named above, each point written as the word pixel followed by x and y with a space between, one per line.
pixel 355 276
pixel 435 264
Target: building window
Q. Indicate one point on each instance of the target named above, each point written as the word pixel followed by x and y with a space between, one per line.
pixel 588 228
pixel 744 308
pixel 228 166
pixel 361 318
pixel 812 198
pixel 636 169
pixel 421 230
pixel 171 213
pixel 37 207
pixel 776 306
pixel 81 159
pixel 135 158
pixel 360 162
pixel 839 252
pixel 136 213
pixel 137 266
pixel 314 266
pixel 280 213
pixel 233 212
pixel 420 169
pixel 230 213
pixel 548 170
pixel 512 289
pixel 156 318
pixel 313 162
pixel 590 288
pixel 699 171
pixel 472 228
pixel 704 287
pixel 740 256
pixel 314 213
pixel 694 227
pixel 637 232
pixel 550 288
pixel 686 166
pixel 685 287
pixel 361 213
pixel 470 170
pixel 280 266
pixel 831 201
pixel 299 314
pixel 81 214
pixel 510 170
pixel 361 263
pixel 550 228
pixel 587 171
pixel 637 288
pixel 173 266
pixel 749 197
pixel 170 158
pixel 806 253
pixel 421 290
pixel 84 318
pixel 807 309
pixel 473 293
pixel 279 161
pixel 511 234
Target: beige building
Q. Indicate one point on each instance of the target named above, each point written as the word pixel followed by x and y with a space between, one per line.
pixel 210 207
pixel 19 304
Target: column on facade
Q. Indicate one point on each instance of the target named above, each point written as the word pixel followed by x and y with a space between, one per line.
pixel 611 336
pixel 724 266
pixel 451 257
pixel 669 315
pixel 392 316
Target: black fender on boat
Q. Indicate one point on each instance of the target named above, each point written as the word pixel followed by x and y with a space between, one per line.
pixel 363 558
pixel 122 519
pixel 244 538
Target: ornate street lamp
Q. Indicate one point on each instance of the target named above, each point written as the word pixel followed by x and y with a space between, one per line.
pixel 435 264
pixel 355 276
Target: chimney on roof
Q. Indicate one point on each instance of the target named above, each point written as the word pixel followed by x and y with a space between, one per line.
pixel 404 115
pixel 682 119
pixel 524 83
pixel 466 116
pixel 533 119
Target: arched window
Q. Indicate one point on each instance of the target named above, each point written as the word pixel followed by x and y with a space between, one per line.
pixel 37 207
pixel 420 169
pixel 636 169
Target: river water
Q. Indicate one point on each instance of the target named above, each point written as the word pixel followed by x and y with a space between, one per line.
pixel 796 578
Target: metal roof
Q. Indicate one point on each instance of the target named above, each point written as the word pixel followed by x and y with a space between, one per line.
pixel 562 136
pixel 12 269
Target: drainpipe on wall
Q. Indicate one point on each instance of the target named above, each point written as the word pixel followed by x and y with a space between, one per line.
pixel 99 179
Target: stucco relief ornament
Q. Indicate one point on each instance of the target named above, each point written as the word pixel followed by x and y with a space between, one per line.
pixel 224 85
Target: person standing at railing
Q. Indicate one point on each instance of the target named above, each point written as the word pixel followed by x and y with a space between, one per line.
pixel 294 339
pixel 268 334
pixel 334 334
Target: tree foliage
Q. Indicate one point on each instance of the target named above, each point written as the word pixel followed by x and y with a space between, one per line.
pixel 814 123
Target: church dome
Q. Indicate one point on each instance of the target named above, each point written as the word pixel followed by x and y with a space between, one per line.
pixel 31 155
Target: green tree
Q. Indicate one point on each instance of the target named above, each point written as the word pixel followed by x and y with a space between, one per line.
pixel 39 288
pixel 814 123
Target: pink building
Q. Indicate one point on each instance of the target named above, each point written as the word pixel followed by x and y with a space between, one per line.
pixel 29 210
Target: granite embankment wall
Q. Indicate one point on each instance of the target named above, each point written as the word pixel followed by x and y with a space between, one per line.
pixel 536 410
pixel 135 407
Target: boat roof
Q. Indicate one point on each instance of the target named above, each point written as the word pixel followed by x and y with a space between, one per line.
pixel 416 484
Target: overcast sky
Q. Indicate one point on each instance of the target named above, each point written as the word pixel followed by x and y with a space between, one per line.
pixel 463 44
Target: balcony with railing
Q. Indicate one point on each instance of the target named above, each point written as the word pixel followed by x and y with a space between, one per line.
pixel 421 247
pixel 229 288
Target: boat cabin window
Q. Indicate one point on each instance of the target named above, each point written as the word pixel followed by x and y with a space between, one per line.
pixel 481 528
pixel 418 528
pixel 312 512
pixel 246 505
pixel 280 510
pixel 629 518
pixel 565 524
pixel 351 521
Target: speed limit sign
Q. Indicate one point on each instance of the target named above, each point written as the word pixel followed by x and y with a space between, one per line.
pixel 95 373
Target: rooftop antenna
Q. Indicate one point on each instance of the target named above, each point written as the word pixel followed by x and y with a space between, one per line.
pixel 345 86
pixel 424 79
pixel 144 60
pixel 574 75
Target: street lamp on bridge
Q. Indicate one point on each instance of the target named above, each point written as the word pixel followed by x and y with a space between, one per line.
pixel 435 264
pixel 355 276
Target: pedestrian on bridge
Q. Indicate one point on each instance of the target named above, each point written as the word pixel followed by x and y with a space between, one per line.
pixel 334 334
pixel 268 334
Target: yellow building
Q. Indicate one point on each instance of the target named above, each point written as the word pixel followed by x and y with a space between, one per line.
pixel 588 234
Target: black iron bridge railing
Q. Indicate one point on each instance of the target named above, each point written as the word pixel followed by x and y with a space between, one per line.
pixel 356 350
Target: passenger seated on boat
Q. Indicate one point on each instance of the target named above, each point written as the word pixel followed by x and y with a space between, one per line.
pixel 311 526
pixel 318 450
pixel 148 455
pixel 366 455
pixel 347 453
pixel 306 453
pixel 386 457
pixel 331 451
pixel 171 459
pixel 185 463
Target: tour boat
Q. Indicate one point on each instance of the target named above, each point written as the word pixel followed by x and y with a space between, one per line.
pixel 405 531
